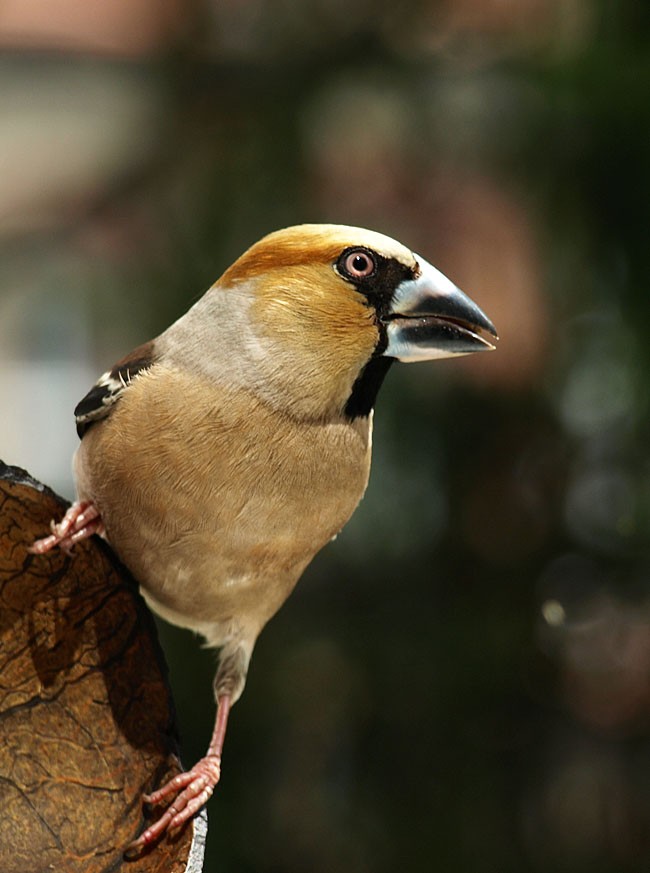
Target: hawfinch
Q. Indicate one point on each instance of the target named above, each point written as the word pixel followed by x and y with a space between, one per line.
pixel 220 457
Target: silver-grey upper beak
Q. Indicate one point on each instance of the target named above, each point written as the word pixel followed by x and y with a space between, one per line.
pixel 429 318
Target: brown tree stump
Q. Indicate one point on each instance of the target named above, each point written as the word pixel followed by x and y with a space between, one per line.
pixel 86 715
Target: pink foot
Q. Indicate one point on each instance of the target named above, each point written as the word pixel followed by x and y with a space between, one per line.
pixel 81 521
pixel 195 787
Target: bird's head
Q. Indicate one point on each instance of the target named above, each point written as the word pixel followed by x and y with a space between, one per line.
pixel 328 308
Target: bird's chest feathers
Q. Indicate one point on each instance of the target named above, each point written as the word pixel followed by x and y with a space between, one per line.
pixel 248 493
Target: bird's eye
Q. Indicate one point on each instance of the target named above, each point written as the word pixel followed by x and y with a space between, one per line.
pixel 357 264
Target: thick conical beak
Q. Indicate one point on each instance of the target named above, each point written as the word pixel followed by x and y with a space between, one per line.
pixel 429 317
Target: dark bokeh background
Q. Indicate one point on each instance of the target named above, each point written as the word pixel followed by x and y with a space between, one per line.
pixel 462 681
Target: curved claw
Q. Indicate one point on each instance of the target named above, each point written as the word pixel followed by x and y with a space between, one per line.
pixel 147 837
pixel 195 787
pixel 81 521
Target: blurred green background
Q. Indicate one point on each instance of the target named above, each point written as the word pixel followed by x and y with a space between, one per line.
pixel 461 682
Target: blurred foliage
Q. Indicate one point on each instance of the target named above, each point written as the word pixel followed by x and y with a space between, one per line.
pixel 462 681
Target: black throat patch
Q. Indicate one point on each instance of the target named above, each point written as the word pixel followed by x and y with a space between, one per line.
pixel 361 401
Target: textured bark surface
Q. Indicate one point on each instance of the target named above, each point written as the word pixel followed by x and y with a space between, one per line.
pixel 86 718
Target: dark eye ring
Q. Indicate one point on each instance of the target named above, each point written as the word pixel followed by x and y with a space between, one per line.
pixel 357 264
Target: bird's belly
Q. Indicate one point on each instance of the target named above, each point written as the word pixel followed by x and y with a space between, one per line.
pixel 217 519
pixel 207 578
pixel 224 560
pixel 220 612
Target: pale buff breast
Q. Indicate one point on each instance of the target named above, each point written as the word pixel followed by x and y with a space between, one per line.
pixel 220 510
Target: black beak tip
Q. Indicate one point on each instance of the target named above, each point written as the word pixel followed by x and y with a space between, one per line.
pixel 486 325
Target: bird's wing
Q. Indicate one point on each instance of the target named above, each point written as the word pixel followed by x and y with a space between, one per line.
pixel 106 391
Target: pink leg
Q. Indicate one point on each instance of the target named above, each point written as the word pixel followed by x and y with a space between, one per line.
pixel 193 788
pixel 81 521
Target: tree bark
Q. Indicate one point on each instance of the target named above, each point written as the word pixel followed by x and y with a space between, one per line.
pixel 86 716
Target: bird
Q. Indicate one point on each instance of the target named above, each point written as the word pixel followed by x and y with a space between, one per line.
pixel 219 458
